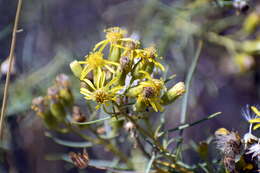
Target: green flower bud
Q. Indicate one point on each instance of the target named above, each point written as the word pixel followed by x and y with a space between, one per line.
pixel 251 46
pixel 66 97
pixel 76 68
pixel 140 106
pixel 172 94
pixel 244 61
pixel 251 22
pixel 149 67
pixel 58 111
pixel 133 92
pixel 115 54
pixel 41 108
pixel 56 107
pixel 50 121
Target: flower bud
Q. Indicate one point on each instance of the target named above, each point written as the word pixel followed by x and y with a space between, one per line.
pixel 115 54
pixel 41 108
pixel 76 68
pixel 50 121
pixel 140 106
pixel 133 92
pixel 172 94
pixel 56 106
pixel 126 63
pixel 251 22
pixel 66 97
pixel 244 61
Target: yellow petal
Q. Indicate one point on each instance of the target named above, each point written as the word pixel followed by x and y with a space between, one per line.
pixel 256 126
pixel 89 83
pixel 256 111
pixel 256 120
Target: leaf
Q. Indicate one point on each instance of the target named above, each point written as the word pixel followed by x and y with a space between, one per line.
pixel 92 122
pixel 150 163
pixel 69 143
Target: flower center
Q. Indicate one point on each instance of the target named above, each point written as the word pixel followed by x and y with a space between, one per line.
pixel 114 34
pixel 96 60
pixel 101 96
pixel 148 92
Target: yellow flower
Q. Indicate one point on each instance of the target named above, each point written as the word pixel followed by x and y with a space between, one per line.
pixel 99 91
pixel 113 36
pixel 149 55
pixel 255 120
pixel 149 92
pixel 95 61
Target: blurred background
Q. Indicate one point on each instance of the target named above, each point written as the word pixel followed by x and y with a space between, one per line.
pixel 52 33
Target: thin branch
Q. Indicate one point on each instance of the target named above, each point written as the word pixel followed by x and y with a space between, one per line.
pixel 188 83
pixel 11 59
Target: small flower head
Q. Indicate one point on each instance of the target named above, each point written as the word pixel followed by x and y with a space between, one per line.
pixel 114 34
pixel 149 55
pixel 150 92
pixel 229 143
pixel 100 92
pixel 95 62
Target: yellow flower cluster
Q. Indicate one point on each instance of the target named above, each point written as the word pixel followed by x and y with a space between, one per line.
pixel 111 68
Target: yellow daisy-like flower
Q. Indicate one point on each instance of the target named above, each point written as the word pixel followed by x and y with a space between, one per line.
pixel 149 55
pixel 95 62
pixel 149 92
pixel 99 91
pixel 113 36
pixel 255 120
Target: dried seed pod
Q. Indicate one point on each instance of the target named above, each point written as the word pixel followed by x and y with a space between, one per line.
pixel 80 160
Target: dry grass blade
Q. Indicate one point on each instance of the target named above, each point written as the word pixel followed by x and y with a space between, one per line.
pixel 11 59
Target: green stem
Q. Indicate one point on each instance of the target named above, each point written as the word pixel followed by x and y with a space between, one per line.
pixel 188 83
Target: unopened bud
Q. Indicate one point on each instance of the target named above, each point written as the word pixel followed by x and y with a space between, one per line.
pixel 56 107
pixel 244 61
pixel 76 68
pixel 115 54
pixel 41 108
pixel 126 63
pixel 140 106
pixel 172 94
pixel 251 22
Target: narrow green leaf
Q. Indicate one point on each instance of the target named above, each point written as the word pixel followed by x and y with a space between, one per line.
pixel 92 122
pixel 68 143
pixel 149 165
